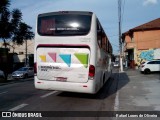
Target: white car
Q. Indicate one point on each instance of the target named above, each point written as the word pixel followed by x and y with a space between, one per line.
pixel 150 66
pixel 1 74
pixel 23 72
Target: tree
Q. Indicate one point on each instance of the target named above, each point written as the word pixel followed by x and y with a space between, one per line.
pixel 12 28
pixel 5 25
pixel 24 33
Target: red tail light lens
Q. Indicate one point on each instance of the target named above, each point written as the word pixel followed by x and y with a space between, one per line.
pixel 35 68
pixel 91 71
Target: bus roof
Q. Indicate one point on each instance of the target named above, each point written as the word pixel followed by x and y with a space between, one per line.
pixel 66 12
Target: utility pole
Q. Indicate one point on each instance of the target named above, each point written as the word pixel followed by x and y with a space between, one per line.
pixel 120 40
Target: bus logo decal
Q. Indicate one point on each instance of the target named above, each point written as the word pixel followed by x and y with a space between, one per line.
pixel 53 56
pixel 66 58
pixel 43 58
pixel 83 58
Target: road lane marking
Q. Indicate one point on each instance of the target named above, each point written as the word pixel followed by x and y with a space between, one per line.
pixel 18 107
pixel 116 105
pixel 48 94
pixel 3 92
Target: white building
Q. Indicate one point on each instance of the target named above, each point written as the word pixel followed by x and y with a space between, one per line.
pixel 20 50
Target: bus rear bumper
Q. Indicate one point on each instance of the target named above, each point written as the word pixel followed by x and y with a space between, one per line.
pixel 88 87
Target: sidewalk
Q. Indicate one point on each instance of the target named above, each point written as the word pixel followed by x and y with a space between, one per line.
pixel 2 81
pixel 10 80
pixel 138 92
pixel 130 71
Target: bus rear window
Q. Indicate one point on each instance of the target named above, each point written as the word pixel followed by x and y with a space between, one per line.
pixel 64 25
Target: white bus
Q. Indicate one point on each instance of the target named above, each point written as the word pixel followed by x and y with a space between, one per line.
pixel 72 52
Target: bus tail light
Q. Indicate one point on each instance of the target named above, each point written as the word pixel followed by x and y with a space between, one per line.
pixel 91 71
pixel 35 68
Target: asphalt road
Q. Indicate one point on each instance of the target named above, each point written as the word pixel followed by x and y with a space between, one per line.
pixel 129 91
pixel 22 96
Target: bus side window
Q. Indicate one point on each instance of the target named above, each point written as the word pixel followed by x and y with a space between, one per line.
pixel 99 35
pixel 103 41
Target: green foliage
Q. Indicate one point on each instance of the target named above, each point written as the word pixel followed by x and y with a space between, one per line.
pixel 11 26
pixel 4 4
pixel 5 25
pixel 23 33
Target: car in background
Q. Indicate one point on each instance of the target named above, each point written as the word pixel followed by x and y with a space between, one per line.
pixel 23 72
pixel 150 66
pixel 116 64
pixel 2 74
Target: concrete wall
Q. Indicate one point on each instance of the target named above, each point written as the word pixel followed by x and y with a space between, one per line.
pixel 147 39
pixel 129 43
pixel 146 45
pixel 143 40
pixel 20 48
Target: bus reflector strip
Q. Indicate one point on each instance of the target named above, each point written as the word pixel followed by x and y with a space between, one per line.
pixel 39 82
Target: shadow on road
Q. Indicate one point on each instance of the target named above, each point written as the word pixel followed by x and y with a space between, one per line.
pixel 113 84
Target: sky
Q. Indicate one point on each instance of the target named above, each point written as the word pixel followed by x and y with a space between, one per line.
pixel 134 13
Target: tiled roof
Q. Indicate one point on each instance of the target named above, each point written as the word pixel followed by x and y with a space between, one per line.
pixel 154 24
